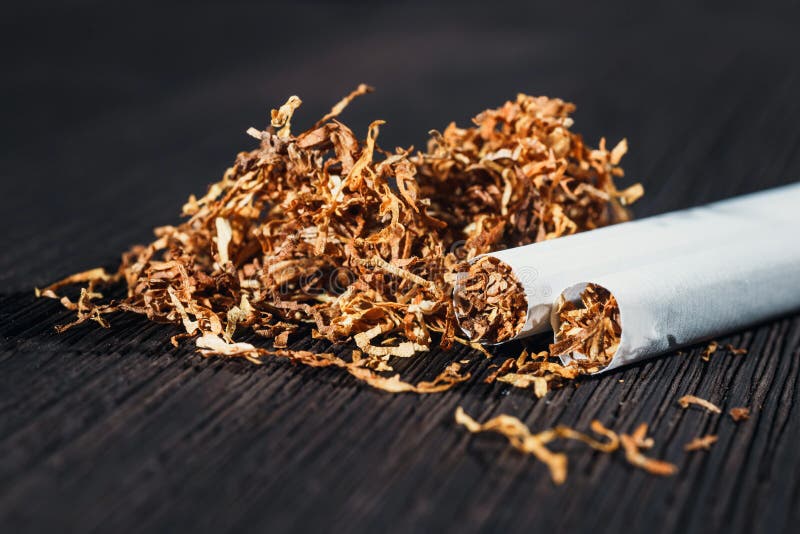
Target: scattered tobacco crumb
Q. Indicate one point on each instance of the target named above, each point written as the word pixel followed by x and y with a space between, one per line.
pixel 686 400
pixel 326 232
pixel 710 349
pixel 703 443
pixel 590 331
pixel 740 414
pixel 632 443
pixel 540 371
pixel 490 302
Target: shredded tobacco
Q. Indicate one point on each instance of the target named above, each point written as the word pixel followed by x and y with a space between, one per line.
pixel 592 331
pixel 686 400
pixel 701 443
pixel 541 372
pixel 490 302
pixel 740 414
pixel 320 229
pixel 520 437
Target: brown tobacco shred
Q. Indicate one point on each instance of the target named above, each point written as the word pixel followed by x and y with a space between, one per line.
pixel 686 400
pixel 740 414
pixel 520 437
pixel 701 443
pixel 590 332
pixel 734 350
pixel 324 230
pixel 490 301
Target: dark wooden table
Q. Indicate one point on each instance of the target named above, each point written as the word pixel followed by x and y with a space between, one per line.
pixel 112 118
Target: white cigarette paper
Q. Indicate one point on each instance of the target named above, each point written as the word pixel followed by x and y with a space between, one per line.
pixel 678 278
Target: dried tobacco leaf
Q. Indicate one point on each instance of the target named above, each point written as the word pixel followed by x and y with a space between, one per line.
pixel 740 414
pixel 686 400
pixel 701 443
pixel 590 332
pixel 320 229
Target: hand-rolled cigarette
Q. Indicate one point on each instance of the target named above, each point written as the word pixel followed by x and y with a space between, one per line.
pixel 676 278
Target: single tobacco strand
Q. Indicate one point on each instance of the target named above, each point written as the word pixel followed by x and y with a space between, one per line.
pixel 688 400
pixel 701 443
pixel 632 443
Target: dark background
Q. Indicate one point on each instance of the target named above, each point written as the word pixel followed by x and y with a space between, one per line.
pixel 111 116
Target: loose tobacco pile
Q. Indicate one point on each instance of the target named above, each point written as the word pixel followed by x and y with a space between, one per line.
pixel 322 230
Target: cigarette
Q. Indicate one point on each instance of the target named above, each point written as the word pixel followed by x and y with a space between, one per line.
pixel 677 278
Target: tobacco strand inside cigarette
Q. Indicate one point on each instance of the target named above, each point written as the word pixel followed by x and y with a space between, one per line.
pixel 591 329
pixel 490 302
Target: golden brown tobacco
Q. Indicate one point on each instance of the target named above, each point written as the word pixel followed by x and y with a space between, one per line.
pixel 591 330
pixel 322 230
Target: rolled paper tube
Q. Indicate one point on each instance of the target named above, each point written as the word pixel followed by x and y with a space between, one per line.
pixel 737 260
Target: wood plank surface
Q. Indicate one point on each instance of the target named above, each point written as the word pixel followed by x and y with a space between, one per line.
pixel 112 117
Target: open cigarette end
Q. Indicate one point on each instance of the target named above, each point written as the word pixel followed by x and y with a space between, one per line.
pixel 589 331
pixel 490 302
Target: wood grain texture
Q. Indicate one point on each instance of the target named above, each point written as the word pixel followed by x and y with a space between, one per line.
pixel 114 117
